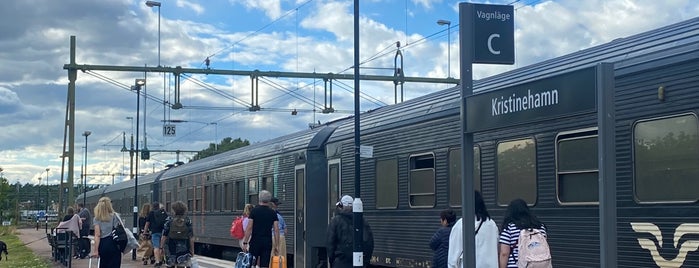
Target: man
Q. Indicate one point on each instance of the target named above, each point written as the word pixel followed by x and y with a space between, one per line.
pixel 178 234
pixel 258 238
pixel 84 241
pixel 340 237
pixel 155 223
pixel 281 243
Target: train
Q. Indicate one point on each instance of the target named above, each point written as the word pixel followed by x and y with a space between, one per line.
pixel 536 134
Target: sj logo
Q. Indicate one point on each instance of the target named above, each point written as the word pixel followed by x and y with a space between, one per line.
pixel 654 244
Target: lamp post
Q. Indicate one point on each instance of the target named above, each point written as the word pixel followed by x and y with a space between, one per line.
pixel 46 228
pixel 156 4
pixel 138 84
pixel 86 133
pixel 448 23
pixel 38 193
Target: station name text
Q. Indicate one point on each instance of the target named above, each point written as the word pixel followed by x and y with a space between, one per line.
pixel 516 103
pixel 495 15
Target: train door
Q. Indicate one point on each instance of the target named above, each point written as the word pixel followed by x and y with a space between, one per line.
pixel 300 214
pixel 334 185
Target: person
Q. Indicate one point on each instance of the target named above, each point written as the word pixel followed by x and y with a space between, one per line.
pixel 440 240
pixel 178 234
pixel 155 222
pixel 71 222
pixel 281 243
pixel 517 217
pixel 340 237
pixel 104 247
pixel 145 248
pixel 258 238
pixel 486 238
pixel 246 215
pixel 84 241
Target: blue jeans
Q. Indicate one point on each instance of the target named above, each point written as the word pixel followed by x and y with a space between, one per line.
pixel 155 239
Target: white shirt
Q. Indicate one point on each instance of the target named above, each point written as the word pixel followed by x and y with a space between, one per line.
pixel 486 244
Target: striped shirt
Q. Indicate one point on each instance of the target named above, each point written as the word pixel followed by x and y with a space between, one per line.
pixel 510 236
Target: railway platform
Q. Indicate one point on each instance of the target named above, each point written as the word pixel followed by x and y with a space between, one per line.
pixel 35 240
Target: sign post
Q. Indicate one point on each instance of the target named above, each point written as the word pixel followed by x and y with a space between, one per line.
pixel 486 36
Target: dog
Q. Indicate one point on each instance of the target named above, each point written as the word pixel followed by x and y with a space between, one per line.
pixel 3 249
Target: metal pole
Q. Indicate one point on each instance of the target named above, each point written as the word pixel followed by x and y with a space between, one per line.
pixel 46 217
pixel 135 199
pixel 467 194
pixel 357 207
pixel 449 50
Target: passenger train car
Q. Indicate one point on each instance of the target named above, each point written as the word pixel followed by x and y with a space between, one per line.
pixel 536 139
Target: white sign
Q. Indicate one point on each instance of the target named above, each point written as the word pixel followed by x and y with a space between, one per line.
pixel 169 130
pixel 366 151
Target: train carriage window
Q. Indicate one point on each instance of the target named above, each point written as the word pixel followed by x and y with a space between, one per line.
pixel 217 197
pixel 334 182
pixel 666 159
pixel 190 197
pixel 199 196
pixel 227 196
pixel 455 174
pixel 168 200
pixel 267 184
pixel 577 168
pixel 239 195
pixel 422 180
pixel 252 191
pixel 387 183
pixel 516 171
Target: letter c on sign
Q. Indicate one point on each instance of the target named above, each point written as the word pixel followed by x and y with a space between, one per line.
pixel 490 44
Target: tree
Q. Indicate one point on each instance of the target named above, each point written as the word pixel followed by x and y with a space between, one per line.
pixel 226 144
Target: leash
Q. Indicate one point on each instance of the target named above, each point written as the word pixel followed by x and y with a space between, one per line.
pixel 34 241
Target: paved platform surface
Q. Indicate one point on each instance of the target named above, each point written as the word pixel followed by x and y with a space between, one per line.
pixel 36 241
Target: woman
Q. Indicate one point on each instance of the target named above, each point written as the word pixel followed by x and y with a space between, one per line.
pixel 246 214
pixel 146 247
pixel 486 238
pixel 178 234
pixel 440 240
pixel 104 247
pixel 517 217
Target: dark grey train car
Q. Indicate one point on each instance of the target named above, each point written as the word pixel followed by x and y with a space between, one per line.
pixel 217 188
pixel 122 195
pixel 550 159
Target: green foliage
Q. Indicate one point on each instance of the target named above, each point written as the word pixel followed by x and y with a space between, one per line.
pixel 20 255
pixel 226 144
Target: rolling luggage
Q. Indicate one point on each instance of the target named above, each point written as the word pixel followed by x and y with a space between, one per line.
pixel 244 260
pixel 278 262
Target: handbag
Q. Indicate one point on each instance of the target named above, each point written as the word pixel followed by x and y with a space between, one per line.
pixel 131 242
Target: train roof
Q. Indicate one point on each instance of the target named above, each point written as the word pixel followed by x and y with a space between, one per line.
pixel 290 142
pixel 676 42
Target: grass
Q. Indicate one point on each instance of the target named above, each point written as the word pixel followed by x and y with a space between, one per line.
pixel 20 255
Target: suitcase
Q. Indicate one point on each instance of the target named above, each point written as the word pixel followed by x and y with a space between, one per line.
pixel 278 262
pixel 244 260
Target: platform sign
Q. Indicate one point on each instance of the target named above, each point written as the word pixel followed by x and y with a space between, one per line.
pixel 493 34
pixel 41 214
pixel 169 130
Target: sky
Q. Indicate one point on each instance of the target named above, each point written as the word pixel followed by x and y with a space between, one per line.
pixel 303 36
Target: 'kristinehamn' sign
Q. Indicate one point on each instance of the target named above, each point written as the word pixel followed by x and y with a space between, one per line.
pixel 548 98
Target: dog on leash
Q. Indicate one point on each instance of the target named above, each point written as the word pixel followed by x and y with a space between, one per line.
pixel 3 249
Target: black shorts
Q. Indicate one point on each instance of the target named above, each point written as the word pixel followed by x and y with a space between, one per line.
pixel 262 251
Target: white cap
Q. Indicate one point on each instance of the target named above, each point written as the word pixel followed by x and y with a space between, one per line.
pixel 346 201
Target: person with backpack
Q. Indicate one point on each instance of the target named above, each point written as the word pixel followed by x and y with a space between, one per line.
pixel 240 224
pixel 486 238
pixel 440 240
pixel 340 237
pixel 155 224
pixel 523 238
pixel 178 234
pixel 84 241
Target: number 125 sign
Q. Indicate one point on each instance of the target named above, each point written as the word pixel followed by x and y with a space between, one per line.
pixel 169 130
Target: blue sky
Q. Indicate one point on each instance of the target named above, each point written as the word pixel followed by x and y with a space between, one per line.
pixel 268 35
